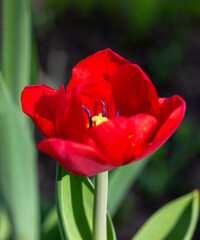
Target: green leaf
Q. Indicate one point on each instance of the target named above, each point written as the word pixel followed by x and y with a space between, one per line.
pixel 16 45
pixel 118 188
pixel 175 221
pixel 18 177
pixel 50 227
pixel 34 63
pixel 75 196
pixel 4 224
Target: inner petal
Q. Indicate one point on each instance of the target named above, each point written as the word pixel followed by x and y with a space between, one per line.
pixel 92 96
pixel 133 92
pixel 126 89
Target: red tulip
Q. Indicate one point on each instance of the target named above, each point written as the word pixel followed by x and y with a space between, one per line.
pixel 110 115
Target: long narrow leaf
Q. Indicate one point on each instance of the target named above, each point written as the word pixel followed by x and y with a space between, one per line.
pixel 16 45
pixel 18 170
pixel 50 227
pixel 4 224
pixel 175 221
pixel 75 195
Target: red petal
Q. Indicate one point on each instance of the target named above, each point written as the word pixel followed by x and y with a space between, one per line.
pixel 72 124
pixel 142 126
pixel 60 103
pixel 172 113
pixel 93 93
pixel 133 91
pixel 149 102
pixel 77 158
pixel 96 67
pixel 111 138
pixel 38 102
pixel 141 129
pixel 127 86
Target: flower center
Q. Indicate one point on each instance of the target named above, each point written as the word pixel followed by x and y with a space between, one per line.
pixel 97 120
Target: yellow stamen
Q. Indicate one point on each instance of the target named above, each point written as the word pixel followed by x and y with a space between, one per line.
pixel 96 120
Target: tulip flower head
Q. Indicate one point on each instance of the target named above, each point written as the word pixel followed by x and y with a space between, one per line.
pixel 109 115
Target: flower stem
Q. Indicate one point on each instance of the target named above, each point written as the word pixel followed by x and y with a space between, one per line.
pixel 100 207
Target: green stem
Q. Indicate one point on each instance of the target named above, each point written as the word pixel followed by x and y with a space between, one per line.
pixel 100 207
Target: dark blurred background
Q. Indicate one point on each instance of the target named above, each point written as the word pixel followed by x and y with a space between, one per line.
pixel 163 37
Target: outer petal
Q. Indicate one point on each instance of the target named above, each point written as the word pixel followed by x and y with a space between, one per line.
pixel 77 158
pixel 172 113
pixel 149 102
pixel 111 138
pixel 143 127
pixel 98 66
pixel 133 92
pixel 38 102
pixel 119 138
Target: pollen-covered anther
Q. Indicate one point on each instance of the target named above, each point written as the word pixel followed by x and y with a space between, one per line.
pixel 97 120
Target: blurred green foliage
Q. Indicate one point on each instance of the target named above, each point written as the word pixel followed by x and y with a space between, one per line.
pixel 18 173
pixel 158 33
pixel 139 15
